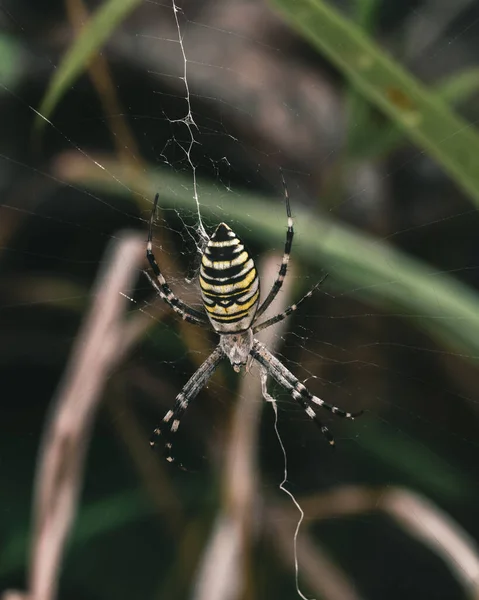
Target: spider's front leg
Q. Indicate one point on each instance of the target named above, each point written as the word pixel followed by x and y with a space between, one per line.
pixel 297 390
pixel 188 313
pixel 281 316
pixel 171 421
pixel 278 284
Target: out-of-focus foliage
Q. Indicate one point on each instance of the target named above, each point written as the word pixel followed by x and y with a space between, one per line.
pixel 325 93
pixel 100 27
pixel 11 61
pixel 422 115
pixel 382 275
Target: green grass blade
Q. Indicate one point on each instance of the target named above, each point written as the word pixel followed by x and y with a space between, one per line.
pixel 458 87
pixel 371 140
pixel 358 109
pixel 365 267
pixel 421 114
pixel 95 33
pixel 366 11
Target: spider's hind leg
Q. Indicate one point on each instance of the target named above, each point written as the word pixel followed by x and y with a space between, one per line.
pixel 309 411
pixel 297 390
pixel 171 421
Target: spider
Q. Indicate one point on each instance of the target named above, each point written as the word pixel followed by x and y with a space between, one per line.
pixel 230 291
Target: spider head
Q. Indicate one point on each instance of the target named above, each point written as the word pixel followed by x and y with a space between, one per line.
pixel 237 347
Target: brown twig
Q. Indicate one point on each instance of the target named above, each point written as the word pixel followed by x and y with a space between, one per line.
pixel 415 514
pixel 67 434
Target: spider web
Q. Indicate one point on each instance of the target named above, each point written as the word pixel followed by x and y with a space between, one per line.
pixel 226 104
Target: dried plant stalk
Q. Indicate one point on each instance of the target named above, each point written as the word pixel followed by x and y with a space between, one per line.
pixel 416 515
pixel 67 434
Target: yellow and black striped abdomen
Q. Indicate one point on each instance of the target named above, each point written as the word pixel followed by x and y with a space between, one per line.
pixel 229 282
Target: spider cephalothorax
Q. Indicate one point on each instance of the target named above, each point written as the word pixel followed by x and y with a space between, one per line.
pixel 237 347
pixel 230 290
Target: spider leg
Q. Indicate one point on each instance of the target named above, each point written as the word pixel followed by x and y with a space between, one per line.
pixel 289 310
pixel 287 251
pixel 178 308
pixel 161 286
pixel 172 418
pixel 298 391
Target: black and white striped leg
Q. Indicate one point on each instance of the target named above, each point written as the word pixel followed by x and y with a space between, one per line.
pixel 297 390
pixel 181 310
pixel 171 421
pixel 288 311
pixel 287 251
pixel 161 286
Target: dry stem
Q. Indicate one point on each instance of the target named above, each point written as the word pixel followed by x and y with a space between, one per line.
pixel 67 434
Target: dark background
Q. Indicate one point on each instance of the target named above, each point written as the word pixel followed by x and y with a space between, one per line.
pixel 273 103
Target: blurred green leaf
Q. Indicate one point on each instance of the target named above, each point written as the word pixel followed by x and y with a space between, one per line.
pixel 420 113
pixel 358 109
pixel 458 87
pixel 427 471
pixel 378 273
pixel 12 59
pixel 96 519
pixel 94 34
pixel 41 289
pixel 366 11
pixel 367 138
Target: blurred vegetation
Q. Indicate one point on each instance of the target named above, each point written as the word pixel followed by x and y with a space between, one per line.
pixel 379 148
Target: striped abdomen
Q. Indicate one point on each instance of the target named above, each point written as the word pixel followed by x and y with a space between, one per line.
pixel 229 282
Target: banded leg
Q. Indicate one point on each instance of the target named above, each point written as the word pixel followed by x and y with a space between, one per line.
pixel 161 286
pixel 188 393
pixel 289 310
pixel 179 308
pixel 287 251
pixel 297 390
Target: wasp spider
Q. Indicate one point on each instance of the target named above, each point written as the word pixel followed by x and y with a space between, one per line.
pixel 230 290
